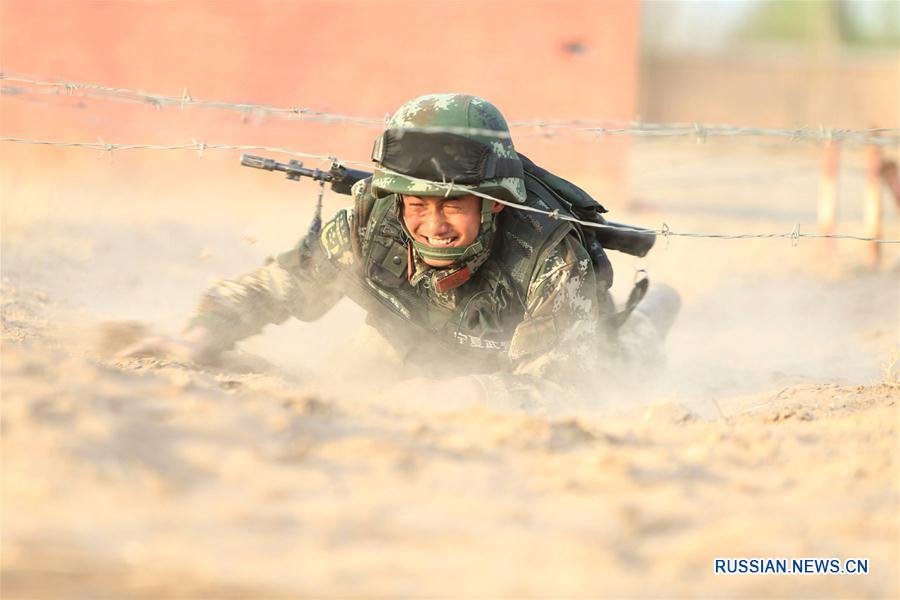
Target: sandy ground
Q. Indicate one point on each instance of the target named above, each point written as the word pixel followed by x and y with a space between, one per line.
pixel 773 431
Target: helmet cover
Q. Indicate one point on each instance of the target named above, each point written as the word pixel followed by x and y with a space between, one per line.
pixel 459 115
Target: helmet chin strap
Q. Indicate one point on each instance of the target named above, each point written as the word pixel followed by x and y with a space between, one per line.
pixel 458 253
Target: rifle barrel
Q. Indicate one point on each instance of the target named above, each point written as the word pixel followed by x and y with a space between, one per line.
pixel 294 169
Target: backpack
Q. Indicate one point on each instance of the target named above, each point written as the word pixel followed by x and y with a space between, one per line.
pixel 631 240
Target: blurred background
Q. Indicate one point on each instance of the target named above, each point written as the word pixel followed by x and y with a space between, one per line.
pixel 768 64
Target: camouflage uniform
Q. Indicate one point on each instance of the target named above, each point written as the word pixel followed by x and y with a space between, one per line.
pixel 522 313
pixel 542 337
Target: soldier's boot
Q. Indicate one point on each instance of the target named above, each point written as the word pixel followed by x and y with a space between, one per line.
pixel 660 306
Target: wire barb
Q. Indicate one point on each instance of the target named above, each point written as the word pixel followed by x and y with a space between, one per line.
pixel 201 146
pixel 795 235
pixel 699 133
pixel 185 98
pixel 105 148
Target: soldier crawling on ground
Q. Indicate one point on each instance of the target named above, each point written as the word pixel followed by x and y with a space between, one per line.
pixel 505 305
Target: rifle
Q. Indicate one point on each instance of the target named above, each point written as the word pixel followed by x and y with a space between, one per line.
pixel 635 241
pixel 340 177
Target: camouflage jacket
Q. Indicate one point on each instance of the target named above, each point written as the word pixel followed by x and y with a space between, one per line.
pixel 525 324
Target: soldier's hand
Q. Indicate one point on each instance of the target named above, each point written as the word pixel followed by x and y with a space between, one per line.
pixel 192 346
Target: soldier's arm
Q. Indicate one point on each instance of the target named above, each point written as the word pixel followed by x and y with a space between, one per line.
pixel 557 346
pixel 301 283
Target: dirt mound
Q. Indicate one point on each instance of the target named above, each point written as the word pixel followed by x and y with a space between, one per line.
pixel 151 479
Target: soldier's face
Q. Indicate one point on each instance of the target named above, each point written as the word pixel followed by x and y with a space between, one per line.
pixel 443 223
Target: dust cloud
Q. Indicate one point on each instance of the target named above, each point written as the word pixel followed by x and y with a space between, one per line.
pixel 292 470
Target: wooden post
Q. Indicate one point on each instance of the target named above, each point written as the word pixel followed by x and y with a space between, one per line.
pixel 872 206
pixel 891 176
pixel 828 190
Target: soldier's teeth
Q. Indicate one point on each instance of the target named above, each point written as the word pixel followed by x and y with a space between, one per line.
pixel 440 241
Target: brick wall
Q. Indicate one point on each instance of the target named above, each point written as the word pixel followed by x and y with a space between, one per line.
pixel 534 60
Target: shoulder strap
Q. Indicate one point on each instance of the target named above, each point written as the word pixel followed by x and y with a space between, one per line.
pixel 363 201
pixel 624 238
pixel 526 238
pixel 565 190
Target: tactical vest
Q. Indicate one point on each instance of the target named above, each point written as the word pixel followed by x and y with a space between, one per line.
pixel 477 319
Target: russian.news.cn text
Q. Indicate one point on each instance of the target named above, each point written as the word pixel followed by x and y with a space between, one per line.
pixel 791 566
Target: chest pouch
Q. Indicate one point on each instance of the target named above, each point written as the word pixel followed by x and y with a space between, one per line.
pixel 387 260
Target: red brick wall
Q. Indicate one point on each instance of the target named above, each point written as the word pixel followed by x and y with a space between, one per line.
pixel 559 60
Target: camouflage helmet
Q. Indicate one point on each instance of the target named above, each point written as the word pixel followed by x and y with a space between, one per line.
pixel 448 137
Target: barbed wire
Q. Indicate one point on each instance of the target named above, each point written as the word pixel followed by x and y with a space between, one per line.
pixel 698 131
pixel 159 101
pixel 665 231
pixel 199 147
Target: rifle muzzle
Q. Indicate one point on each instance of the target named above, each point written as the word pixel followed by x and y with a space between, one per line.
pixel 258 162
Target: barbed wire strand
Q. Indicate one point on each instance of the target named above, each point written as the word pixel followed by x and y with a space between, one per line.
pixel 199 147
pixel 663 231
pixel 698 131
pixel 69 88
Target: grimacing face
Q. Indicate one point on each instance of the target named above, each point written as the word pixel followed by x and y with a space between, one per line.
pixel 444 222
